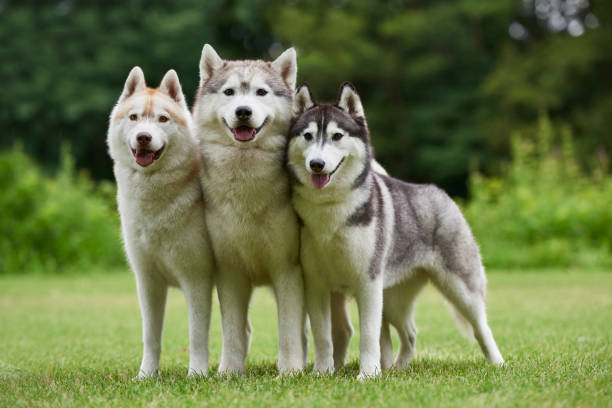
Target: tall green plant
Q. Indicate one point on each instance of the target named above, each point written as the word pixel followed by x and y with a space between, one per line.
pixel 544 210
pixel 55 224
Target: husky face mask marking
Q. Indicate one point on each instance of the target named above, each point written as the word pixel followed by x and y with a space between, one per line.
pixel 148 118
pixel 329 143
pixel 245 97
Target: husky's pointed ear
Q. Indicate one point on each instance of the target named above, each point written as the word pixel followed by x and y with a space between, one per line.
pixel 286 66
pixel 171 86
pixel 134 82
pixel 349 100
pixel 209 62
pixel 303 100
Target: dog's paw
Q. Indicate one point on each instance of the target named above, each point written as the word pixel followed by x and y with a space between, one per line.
pixel 230 371
pixel 369 374
pixel 197 373
pixel 290 367
pixel 324 369
pixel 290 372
pixel 144 375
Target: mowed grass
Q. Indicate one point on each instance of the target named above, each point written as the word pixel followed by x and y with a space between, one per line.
pixel 75 341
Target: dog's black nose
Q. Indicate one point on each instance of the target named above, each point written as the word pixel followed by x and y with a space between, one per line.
pixel 243 112
pixel 317 165
pixel 143 138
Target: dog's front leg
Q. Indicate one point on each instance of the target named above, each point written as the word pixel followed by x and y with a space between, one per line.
pixel 370 303
pixel 319 312
pixel 289 291
pixel 198 294
pixel 234 291
pixel 152 292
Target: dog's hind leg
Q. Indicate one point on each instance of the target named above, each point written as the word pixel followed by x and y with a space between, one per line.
pixel 386 346
pixel 318 303
pixel 305 331
pixel 471 304
pixel 342 330
pixel 399 311
pixel 152 292
pixel 234 291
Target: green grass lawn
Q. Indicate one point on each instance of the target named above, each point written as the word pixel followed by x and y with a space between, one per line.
pixel 75 341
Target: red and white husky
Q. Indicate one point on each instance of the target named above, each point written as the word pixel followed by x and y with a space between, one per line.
pixel 157 167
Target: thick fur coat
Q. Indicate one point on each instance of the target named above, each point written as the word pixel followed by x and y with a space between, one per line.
pixel 241 117
pixel 374 237
pixel 157 166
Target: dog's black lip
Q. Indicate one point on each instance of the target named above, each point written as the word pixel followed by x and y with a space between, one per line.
pixel 337 167
pixel 231 129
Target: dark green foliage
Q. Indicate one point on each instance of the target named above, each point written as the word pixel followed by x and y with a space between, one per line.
pixel 64 64
pixel 55 224
pixel 442 82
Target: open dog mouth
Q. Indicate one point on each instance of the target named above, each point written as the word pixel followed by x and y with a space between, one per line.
pixel 145 157
pixel 245 133
pixel 321 180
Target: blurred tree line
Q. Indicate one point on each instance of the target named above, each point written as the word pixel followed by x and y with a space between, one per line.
pixel 444 83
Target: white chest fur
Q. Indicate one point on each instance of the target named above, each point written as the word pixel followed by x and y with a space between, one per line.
pixel 251 222
pixel 339 253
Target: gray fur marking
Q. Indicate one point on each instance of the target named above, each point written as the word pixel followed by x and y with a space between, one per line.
pixel 420 213
pixel 219 77
pixel 323 114
pixel 363 214
pixel 376 266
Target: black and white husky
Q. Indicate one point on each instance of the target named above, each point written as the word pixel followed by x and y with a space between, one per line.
pixel 374 237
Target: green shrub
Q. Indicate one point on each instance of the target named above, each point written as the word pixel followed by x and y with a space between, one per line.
pixel 544 210
pixel 55 224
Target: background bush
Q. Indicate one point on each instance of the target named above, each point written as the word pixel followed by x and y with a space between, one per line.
pixel 55 224
pixel 544 210
pixel 444 84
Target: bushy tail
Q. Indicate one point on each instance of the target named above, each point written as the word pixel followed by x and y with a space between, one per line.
pixel 463 325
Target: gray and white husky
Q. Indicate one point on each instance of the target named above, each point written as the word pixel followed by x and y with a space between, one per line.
pixel 157 167
pixel 241 116
pixel 374 237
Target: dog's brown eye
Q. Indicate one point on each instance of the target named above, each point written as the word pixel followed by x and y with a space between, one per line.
pixel 133 116
pixel 163 119
pixel 229 92
pixel 261 92
pixel 308 136
pixel 337 136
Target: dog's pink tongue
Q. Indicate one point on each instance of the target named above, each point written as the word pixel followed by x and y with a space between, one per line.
pixel 144 157
pixel 244 133
pixel 319 180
